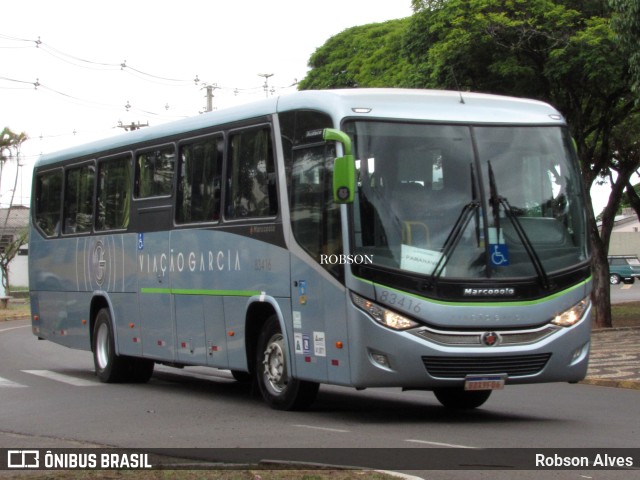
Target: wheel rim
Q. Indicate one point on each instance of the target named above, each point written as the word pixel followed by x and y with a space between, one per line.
pixel 102 346
pixel 275 365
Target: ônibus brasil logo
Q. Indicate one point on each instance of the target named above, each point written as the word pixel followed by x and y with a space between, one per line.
pixel 346 259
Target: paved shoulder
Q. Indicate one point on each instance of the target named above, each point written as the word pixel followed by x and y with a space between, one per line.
pixel 615 358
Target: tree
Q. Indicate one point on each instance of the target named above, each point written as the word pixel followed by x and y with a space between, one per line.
pixel 626 24
pixel 10 144
pixel 363 56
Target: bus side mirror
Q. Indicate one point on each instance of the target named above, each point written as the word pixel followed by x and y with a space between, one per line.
pixel 344 168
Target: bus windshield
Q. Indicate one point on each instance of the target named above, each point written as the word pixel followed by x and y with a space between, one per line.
pixel 466 201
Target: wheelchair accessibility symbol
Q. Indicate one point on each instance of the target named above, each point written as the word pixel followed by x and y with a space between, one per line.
pixel 499 254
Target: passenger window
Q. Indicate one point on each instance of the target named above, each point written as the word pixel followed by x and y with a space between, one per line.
pixel 48 202
pixel 78 199
pixel 114 194
pixel 199 183
pixel 251 178
pixel 154 172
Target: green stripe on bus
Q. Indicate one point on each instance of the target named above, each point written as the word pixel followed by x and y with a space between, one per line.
pixel 188 291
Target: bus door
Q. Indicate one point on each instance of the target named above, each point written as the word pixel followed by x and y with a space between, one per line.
pixel 200 327
pixel 152 213
pixel 318 297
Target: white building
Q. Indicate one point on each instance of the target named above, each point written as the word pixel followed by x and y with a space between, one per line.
pixel 625 236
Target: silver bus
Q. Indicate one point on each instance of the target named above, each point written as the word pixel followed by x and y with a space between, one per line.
pixel 427 240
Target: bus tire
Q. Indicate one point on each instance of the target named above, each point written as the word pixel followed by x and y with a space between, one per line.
pixel 140 369
pixel 460 399
pixel 110 368
pixel 278 389
pixel 242 377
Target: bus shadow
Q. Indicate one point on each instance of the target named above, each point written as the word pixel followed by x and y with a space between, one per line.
pixel 378 407
pixel 342 404
pixel 218 382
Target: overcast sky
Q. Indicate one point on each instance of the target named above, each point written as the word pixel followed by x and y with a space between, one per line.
pixel 83 89
pixel 74 50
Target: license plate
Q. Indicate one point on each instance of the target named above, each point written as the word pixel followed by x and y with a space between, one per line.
pixel 484 383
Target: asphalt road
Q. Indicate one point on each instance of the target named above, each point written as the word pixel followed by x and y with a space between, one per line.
pixel 50 397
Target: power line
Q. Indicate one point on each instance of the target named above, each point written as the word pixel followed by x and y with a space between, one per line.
pixel 92 103
pixel 124 66
pixel 93 64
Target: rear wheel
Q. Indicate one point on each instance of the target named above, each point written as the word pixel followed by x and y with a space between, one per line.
pixel 461 399
pixel 276 385
pixel 110 368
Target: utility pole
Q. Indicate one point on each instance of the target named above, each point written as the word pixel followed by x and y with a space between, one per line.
pixel 210 88
pixel 266 77
pixel 132 126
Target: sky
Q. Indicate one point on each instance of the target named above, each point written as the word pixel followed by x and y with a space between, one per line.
pixel 62 79
pixel 73 71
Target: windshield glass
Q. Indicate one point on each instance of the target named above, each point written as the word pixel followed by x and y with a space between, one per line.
pixel 456 201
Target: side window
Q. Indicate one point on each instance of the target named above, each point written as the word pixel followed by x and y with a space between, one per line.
pixel 154 172
pixel 48 191
pixel 251 177
pixel 315 218
pixel 78 199
pixel 199 181
pixel 114 193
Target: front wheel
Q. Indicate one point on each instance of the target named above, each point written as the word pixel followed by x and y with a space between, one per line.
pixel 278 388
pixel 460 399
pixel 614 279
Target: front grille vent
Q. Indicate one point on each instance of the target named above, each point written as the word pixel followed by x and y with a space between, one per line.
pixel 474 338
pixel 460 367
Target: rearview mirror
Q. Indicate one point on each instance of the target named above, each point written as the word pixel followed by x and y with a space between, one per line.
pixel 344 168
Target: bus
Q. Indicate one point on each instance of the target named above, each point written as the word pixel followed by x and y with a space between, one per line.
pixel 426 240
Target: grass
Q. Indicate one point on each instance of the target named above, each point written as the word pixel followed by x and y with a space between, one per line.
pixel 16 309
pixel 626 314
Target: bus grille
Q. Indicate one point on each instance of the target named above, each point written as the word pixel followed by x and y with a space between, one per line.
pixel 474 339
pixel 460 367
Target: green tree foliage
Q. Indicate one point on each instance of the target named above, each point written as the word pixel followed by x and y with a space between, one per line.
pixel 626 23
pixel 10 143
pixel 363 56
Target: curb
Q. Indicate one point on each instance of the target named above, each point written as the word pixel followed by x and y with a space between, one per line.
pixel 605 382
pixel 16 318
pixel 613 329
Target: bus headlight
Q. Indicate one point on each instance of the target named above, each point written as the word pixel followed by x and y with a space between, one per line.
pixel 382 315
pixel 573 315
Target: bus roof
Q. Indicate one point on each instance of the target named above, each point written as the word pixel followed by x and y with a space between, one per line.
pixel 403 104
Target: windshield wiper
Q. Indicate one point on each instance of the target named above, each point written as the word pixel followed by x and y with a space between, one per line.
pixel 458 229
pixel 495 201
